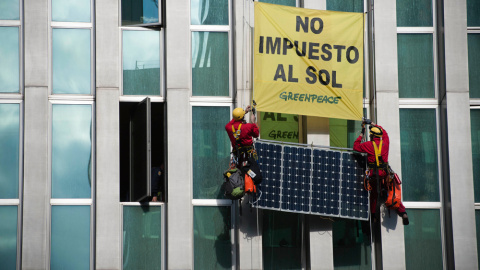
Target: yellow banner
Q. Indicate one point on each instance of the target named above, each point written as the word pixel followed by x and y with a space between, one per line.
pixel 308 62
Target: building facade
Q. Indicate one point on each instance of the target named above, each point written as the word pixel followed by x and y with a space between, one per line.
pixel 94 93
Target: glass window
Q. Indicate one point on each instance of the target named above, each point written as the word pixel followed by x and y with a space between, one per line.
pixel 212 242
pixel 477 225
pixel 291 3
pixel 209 12
pixel 345 5
pixel 140 11
pixel 71 61
pixel 415 66
pixel 414 13
pixel 9 155
pixel 9 10
pixel 141 62
pixel 423 242
pixel 71 151
pixel 282 240
pixel 279 126
pixel 211 150
pixel 474 64
pixel 475 129
pixel 70 243
pixel 210 64
pixel 71 10
pixel 473 13
pixel 10 63
pixel 351 245
pixel 418 140
pixel 8 236
pixel 142 237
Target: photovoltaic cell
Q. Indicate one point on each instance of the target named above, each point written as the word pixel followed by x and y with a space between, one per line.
pixel 310 180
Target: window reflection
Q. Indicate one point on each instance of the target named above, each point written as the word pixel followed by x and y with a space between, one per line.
pixel 71 151
pixel 9 154
pixel 140 11
pixel 71 10
pixel 141 63
pixel 71 61
pixel 9 10
pixel 8 236
pixel 209 12
pixel 10 60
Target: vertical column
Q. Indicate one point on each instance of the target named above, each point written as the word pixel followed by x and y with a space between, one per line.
pixel 459 140
pixel 108 219
pixel 387 104
pixel 179 136
pixel 36 194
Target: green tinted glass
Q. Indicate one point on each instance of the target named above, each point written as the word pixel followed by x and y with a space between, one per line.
pixel 475 128
pixel 209 12
pixel 474 64
pixel 415 66
pixel 70 237
pixel 345 5
pixel 141 63
pixel 423 241
pixel 351 245
pixel 8 236
pixel 279 127
pixel 9 155
pixel 414 13
pixel 71 64
pixel 291 3
pixel 477 225
pixel 473 13
pixel 10 60
pixel 211 150
pixel 210 64
pixel 71 151
pixel 9 9
pixel 142 237
pixel 418 140
pixel 212 244
pixel 140 11
pixel 71 11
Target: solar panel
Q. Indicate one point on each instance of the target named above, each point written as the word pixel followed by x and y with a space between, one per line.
pixel 311 180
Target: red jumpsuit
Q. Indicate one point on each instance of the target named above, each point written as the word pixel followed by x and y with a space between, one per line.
pixel 367 147
pixel 247 132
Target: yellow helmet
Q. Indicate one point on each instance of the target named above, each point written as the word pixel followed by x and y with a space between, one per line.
pixel 375 131
pixel 238 113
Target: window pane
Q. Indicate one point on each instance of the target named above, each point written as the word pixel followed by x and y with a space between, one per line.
pixel 473 13
pixel 210 64
pixel 345 5
pixel 10 62
pixel 9 10
pixel 279 126
pixel 282 240
pixel 477 225
pixel 209 12
pixel 71 151
pixel 9 155
pixel 423 242
pixel 474 64
pixel 8 236
pixel 141 62
pixel 414 13
pixel 71 10
pixel 418 140
pixel 291 3
pixel 211 151
pixel 142 237
pixel 70 247
pixel 212 244
pixel 415 66
pixel 71 61
pixel 139 11
pixel 475 128
pixel 351 245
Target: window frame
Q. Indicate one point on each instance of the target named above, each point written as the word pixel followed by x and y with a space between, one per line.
pixel 21 83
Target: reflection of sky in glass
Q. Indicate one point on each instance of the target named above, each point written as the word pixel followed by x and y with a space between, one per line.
pixel 209 12
pixel 8 236
pixel 9 9
pixel 71 61
pixel 9 153
pixel 70 237
pixel 150 11
pixel 71 151
pixel 141 49
pixel 71 10
pixel 9 60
